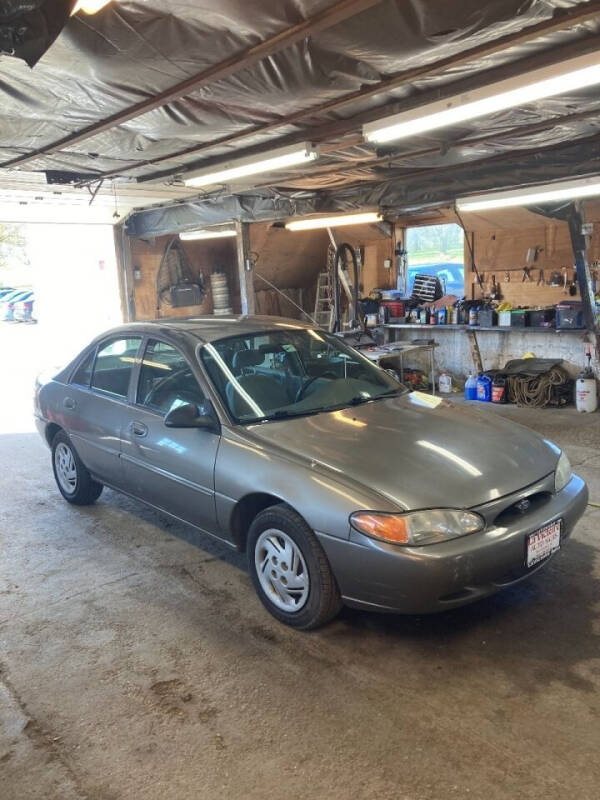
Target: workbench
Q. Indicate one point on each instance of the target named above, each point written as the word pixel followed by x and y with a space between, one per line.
pixel 397 350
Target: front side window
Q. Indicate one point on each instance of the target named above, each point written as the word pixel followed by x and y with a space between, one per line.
pixel 291 373
pixel 166 379
pixel 114 362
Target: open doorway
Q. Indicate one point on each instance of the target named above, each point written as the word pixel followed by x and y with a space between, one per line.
pixel 65 277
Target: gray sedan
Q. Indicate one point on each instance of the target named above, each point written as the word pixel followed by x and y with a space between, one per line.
pixel 280 440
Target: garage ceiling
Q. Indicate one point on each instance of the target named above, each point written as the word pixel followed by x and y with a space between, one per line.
pixel 142 93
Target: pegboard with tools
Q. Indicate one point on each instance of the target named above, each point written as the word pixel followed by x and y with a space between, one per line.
pixel 531 266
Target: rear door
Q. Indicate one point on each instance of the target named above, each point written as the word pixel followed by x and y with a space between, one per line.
pixel 172 468
pixel 95 405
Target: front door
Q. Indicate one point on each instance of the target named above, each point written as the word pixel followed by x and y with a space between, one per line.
pixel 172 468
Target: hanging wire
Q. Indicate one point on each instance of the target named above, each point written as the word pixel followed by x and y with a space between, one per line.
pixel 289 299
pixel 470 246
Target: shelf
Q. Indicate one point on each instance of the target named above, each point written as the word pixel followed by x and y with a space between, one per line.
pixel 477 328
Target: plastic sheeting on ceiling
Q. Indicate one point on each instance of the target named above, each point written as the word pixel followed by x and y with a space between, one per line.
pixel 102 64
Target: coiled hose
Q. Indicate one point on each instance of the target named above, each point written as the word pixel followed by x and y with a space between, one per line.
pixel 536 391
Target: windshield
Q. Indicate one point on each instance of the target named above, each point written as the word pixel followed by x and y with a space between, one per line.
pixel 279 374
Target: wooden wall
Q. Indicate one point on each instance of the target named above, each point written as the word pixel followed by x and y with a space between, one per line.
pixel 205 256
pixel 289 260
pixel 501 240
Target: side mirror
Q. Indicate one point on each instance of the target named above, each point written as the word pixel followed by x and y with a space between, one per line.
pixel 187 416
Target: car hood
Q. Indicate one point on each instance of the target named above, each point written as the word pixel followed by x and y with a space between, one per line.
pixel 416 455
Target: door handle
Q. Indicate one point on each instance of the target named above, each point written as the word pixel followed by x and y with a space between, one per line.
pixel 138 428
pixel 69 403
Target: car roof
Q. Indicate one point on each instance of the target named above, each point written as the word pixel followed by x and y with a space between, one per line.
pixel 15 293
pixel 210 328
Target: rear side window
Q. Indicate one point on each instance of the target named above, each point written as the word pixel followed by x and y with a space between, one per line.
pixel 113 366
pixel 83 373
pixel 166 379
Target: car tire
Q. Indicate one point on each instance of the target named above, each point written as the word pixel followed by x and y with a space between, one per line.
pixel 302 593
pixel 72 477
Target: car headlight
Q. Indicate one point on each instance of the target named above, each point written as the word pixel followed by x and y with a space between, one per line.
pixel 563 473
pixel 416 528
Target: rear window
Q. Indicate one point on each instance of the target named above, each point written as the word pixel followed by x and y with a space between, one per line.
pixel 114 362
pixel 83 373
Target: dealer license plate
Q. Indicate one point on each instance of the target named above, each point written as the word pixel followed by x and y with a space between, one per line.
pixel 542 543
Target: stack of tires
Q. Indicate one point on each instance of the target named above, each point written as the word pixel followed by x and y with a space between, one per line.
pixel 220 293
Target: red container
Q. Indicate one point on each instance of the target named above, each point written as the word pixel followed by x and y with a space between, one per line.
pixel 396 307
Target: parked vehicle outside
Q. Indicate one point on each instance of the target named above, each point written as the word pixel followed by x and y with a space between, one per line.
pixel 23 310
pixel 286 443
pixel 7 304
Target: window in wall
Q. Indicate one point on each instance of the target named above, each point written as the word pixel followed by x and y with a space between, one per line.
pixel 437 250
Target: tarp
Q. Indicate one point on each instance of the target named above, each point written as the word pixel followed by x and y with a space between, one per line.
pixel 129 51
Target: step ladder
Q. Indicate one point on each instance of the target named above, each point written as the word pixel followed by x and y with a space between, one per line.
pixel 323 315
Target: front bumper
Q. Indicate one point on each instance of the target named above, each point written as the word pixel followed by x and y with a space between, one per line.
pixel 420 580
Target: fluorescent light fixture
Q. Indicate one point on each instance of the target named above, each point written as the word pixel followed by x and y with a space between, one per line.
pixel 241 168
pixel 532 195
pixel 206 234
pixel 568 76
pixel 333 222
pixel 89 6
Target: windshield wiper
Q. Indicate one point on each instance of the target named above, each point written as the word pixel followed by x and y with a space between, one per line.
pixel 283 413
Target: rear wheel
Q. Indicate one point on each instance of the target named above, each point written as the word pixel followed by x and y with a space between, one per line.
pixel 290 571
pixel 72 478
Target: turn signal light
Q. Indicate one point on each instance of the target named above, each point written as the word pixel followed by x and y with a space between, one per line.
pixel 386 527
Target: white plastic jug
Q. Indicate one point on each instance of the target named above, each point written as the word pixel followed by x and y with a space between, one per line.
pixel 445 383
pixel 586 395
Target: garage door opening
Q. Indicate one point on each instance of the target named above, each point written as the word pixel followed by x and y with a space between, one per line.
pixel 67 275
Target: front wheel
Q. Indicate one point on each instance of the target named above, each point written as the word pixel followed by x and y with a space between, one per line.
pixel 290 571
pixel 72 478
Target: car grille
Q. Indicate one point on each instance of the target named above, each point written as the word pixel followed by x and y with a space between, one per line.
pixel 521 508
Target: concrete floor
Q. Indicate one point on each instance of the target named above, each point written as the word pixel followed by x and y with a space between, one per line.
pixel 136 661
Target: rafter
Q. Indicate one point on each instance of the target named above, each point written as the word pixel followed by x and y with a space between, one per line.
pixel 338 12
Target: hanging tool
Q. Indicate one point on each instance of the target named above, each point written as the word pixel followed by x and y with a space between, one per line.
pixel 527 275
pixel 495 293
pixel 573 285
pixel 555 279
pixel 565 279
pixel 507 277
pixel 541 278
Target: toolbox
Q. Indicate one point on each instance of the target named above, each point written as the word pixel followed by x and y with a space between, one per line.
pixel 569 315
pixel 542 318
